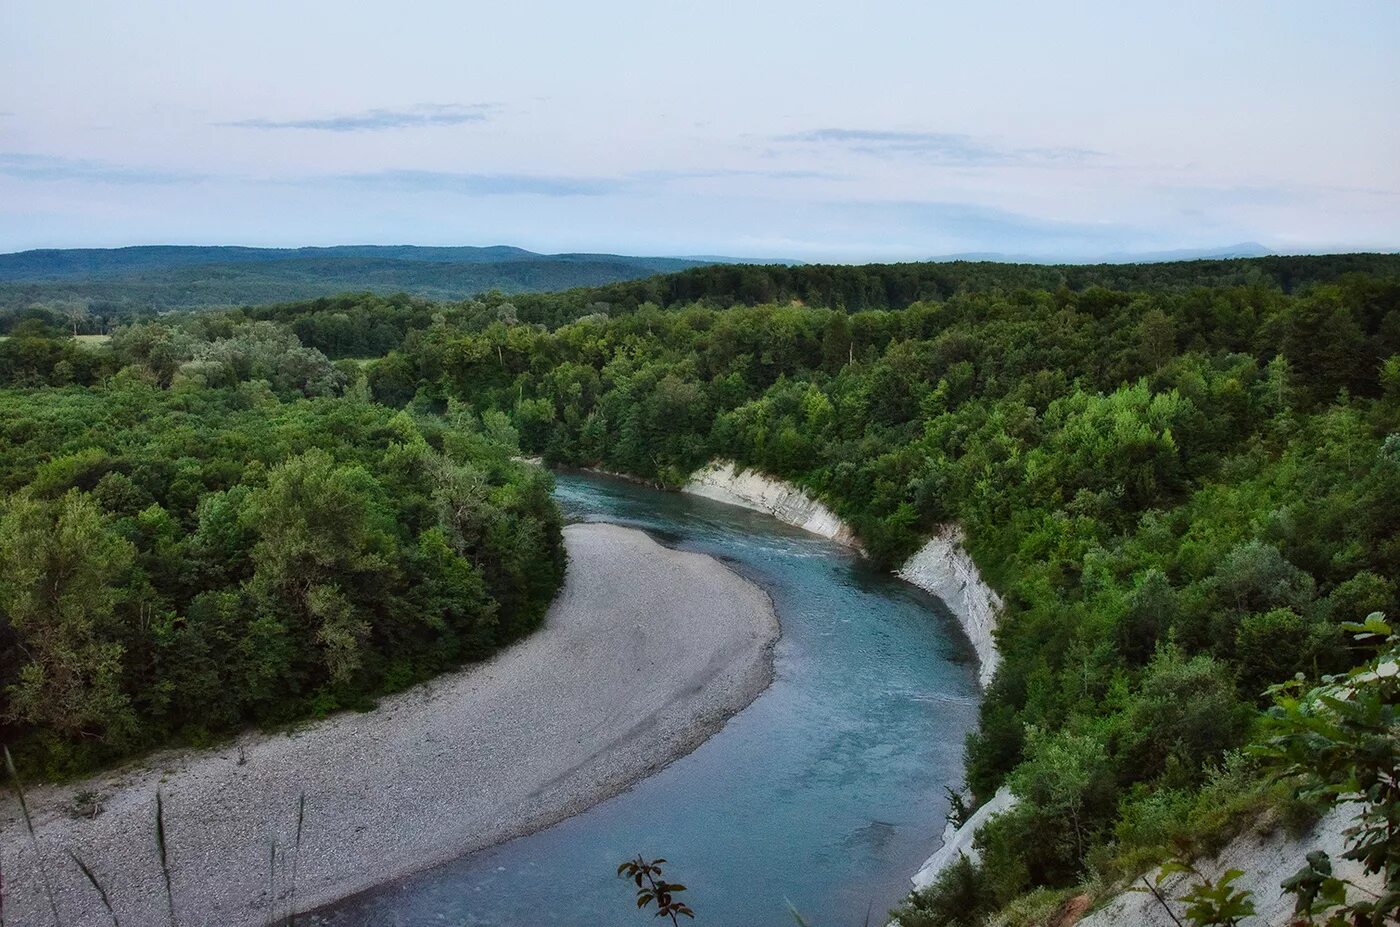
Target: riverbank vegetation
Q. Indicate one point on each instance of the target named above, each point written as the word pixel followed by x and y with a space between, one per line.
pixel 1182 493
pixel 188 547
pixel 1184 480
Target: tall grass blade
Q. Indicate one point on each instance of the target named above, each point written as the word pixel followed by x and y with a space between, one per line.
pixel 33 838
pixel 101 892
pixel 164 857
pixel 296 858
pixel 271 882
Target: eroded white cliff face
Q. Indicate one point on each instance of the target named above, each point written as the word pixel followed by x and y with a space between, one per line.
pixel 958 841
pixel 1266 859
pixel 787 503
pixel 943 568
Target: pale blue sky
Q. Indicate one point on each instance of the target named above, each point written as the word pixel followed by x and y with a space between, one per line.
pixel 853 131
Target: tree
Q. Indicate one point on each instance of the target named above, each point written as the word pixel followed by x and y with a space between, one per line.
pixel 320 529
pixel 62 573
pixel 1065 790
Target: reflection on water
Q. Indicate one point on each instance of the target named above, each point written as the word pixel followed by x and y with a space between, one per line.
pixel 826 792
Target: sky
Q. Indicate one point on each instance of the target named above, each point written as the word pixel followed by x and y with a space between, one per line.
pixel 770 128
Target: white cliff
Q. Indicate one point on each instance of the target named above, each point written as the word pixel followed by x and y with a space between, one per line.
pixel 958 841
pixel 941 567
pixel 944 569
pixel 785 502
pixel 1266 858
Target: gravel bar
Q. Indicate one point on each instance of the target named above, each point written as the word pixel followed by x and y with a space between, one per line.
pixel 645 654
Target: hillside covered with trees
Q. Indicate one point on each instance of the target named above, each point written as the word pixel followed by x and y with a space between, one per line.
pixel 1183 493
pixel 1184 480
pixel 118 283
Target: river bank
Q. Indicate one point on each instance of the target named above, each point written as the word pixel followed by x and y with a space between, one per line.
pixel 644 655
pixel 942 567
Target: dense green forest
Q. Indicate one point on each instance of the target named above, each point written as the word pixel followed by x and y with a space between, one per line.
pixel 1182 493
pixel 190 542
pixel 1184 480
pixel 897 286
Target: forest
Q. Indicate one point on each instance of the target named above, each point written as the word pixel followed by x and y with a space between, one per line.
pixel 1184 480
pixel 118 283
pixel 188 546
pixel 1184 496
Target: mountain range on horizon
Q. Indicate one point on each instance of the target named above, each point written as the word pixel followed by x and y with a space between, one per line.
pixel 162 277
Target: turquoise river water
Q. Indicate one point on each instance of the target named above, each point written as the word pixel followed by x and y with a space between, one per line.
pixel 825 794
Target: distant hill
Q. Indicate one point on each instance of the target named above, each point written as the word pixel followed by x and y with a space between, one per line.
pixel 1246 249
pixel 160 277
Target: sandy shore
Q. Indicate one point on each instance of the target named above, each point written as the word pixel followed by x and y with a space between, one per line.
pixel 644 655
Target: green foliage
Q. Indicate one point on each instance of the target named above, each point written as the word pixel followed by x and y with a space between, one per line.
pixel 1181 491
pixel 175 563
pixel 1216 903
pixel 1340 742
pixel 1183 479
pixel 654 890
pixel 959 897
pixel 36 354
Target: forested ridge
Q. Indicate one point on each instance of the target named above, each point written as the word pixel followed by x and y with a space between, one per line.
pixel 116 284
pixel 1183 479
pixel 191 545
pixel 896 286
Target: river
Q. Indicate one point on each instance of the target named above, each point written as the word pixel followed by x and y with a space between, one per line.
pixel 825 794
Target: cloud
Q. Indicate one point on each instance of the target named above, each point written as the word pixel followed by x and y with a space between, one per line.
pixel 942 147
pixel 40 167
pixel 374 120
pixel 468 184
pixel 664 176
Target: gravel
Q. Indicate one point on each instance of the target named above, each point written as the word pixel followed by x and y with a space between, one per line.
pixel 644 655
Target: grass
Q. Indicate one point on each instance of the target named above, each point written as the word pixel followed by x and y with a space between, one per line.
pixel 163 852
pixel 164 861
pixel 101 892
pixel 33 838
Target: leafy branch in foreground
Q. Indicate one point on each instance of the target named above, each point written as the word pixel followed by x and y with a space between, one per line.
pixel 1339 742
pixel 33 838
pixel 652 888
pixel 1209 903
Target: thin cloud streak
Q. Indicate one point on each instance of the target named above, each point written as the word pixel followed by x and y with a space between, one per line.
pixel 423 115
pixel 469 184
pixel 39 167
pixel 34 167
pixel 664 176
pixel 943 147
